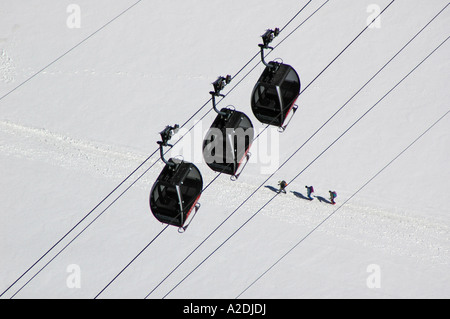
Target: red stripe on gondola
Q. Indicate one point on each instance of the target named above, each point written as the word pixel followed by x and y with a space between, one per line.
pixel 290 109
pixel 189 212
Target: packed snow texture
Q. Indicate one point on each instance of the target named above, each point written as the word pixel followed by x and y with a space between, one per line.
pixel 81 107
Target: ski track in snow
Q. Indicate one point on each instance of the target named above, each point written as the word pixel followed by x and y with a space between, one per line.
pixel 401 235
pixel 7 67
pixel 37 144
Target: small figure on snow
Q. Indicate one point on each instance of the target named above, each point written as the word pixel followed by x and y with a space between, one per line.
pixel 309 191
pixel 333 195
pixel 282 185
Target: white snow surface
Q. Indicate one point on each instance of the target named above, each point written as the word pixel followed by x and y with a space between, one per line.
pixel 73 126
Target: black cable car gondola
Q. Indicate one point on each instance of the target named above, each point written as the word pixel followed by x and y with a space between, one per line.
pixel 178 188
pixel 227 142
pixel 275 93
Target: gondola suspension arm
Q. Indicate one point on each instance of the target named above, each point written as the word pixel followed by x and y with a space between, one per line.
pixel 166 135
pixel 219 85
pixel 268 37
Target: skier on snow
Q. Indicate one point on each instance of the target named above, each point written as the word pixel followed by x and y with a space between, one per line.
pixel 333 195
pixel 309 190
pixel 282 185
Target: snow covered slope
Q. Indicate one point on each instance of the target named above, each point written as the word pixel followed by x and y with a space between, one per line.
pixel 81 109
